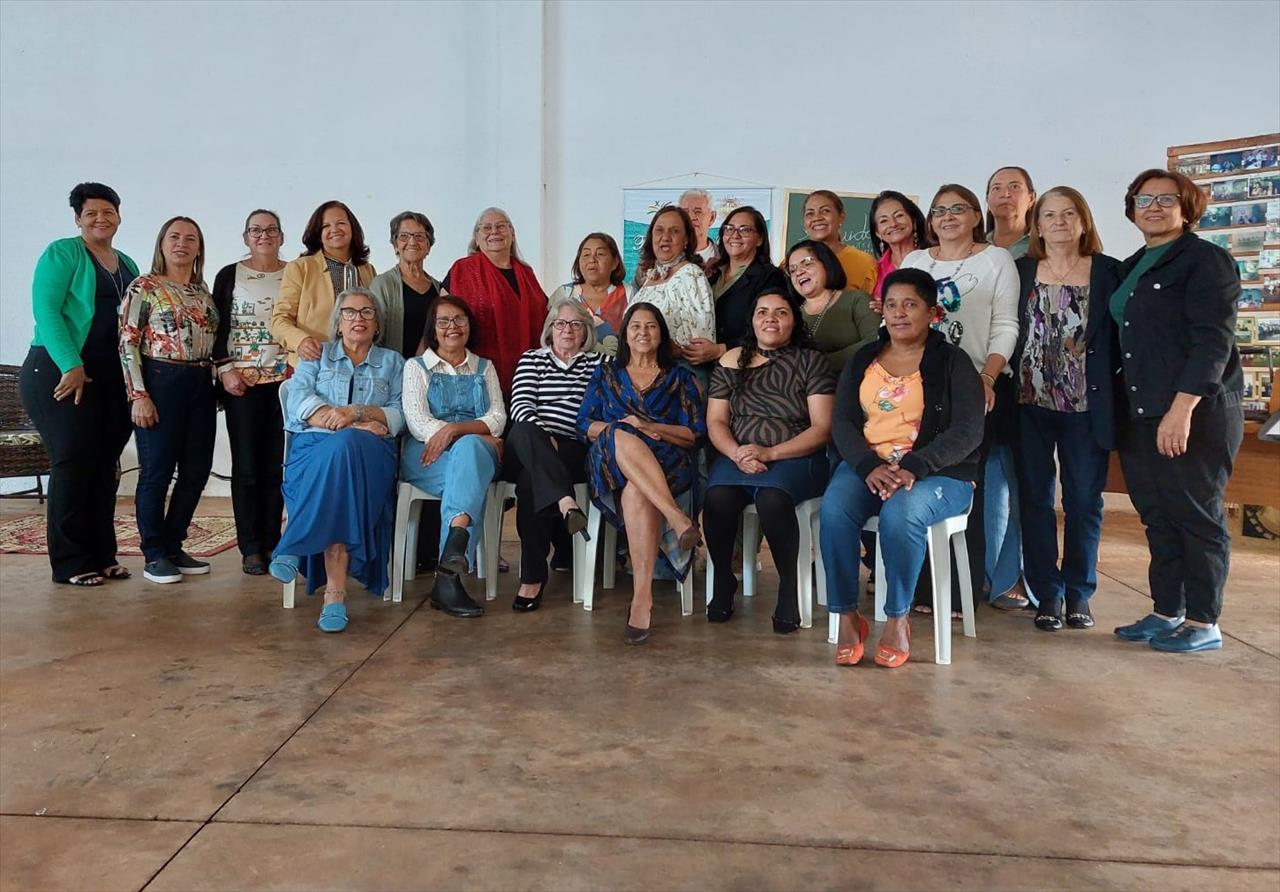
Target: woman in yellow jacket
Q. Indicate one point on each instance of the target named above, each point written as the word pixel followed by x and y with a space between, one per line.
pixel 336 258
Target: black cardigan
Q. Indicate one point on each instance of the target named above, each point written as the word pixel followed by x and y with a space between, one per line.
pixel 223 284
pixel 1179 329
pixel 952 424
pixel 733 308
pixel 1100 356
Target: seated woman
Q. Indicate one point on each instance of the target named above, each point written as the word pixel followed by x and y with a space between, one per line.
pixel 643 417
pixel 841 322
pixel 343 410
pixel 453 408
pixel 908 407
pixel 543 454
pixel 769 415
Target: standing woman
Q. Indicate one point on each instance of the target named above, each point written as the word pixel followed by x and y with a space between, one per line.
pixel 599 285
pixel 1010 197
pixel 840 321
pixel 335 259
pixel 824 218
pixel 406 290
pixel 978 292
pixel 167 328
pixel 744 272
pixel 670 278
pixel 1063 371
pixel 252 367
pixel 503 293
pixel 897 228
pixel 73 388
pixel 1175 310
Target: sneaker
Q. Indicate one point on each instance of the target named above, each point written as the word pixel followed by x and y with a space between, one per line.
pixel 1147 628
pixel 1187 639
pixel 162 571
pixel 187 565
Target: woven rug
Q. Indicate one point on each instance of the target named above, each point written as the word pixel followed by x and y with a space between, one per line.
pixel 208 535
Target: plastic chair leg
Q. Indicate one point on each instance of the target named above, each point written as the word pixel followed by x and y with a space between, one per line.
pixel 940 570
pixel 586 582
pixel 961 546
pixel 288 594
pixel 882 584
pixel 820 570
pixel 686 594
pixel 804 572
pixel 609 573
pixel 750 550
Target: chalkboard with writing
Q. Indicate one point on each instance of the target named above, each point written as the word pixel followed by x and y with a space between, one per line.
pixel 857 223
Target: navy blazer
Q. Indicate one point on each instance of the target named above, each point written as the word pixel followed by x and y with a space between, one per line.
pixel 1179 332
pixel 1100 358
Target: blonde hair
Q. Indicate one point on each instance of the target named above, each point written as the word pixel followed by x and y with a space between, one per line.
pixel 1090 243
pixel 158 265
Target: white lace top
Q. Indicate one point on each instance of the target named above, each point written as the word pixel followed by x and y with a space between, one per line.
pixel 686 304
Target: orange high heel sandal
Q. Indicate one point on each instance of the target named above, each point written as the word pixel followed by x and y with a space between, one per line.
pixel 851 654
pixel 892 658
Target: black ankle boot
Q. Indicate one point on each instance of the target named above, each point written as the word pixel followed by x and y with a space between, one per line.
pixel 449 596
pixel 720 610
pixel 453 557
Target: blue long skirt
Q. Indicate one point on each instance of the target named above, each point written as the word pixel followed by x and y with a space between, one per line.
pixel 340 488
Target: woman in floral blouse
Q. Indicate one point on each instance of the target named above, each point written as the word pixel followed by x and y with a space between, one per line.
pixel 670 278
pixel 168 323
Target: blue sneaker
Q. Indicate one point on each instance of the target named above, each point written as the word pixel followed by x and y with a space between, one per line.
pixel 1147 628
pixel 333 618
pixel 1188 639
pixel 284 567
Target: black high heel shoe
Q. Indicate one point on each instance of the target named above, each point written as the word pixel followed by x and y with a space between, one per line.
pixel 576 522
pixel 634 635
pixel 528 605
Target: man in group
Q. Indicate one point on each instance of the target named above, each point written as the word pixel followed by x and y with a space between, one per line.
pixel 701 210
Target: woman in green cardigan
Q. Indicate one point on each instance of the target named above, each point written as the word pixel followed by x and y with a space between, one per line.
pixel 72 385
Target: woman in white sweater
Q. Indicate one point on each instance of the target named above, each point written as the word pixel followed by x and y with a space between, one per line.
pixel 978 293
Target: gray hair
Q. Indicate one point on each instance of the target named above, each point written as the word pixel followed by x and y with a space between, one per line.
pixel 473 248
pixel 420 219
pixel 584 316
pixel 336 316
pixel 697 193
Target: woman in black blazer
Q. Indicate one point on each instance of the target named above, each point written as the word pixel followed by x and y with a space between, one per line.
pixel 1176 309
pixel 1063 372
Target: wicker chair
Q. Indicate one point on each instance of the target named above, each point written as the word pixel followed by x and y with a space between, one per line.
pixel 21 451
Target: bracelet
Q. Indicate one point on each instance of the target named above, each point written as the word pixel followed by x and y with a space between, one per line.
pixel 989 378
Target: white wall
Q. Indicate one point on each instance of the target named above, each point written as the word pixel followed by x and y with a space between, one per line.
pixel 548 109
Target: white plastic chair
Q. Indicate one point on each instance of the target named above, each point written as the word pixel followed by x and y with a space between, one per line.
pixel 950 529
pixel 808 520
pixel 404 545
pixel 503 490
pixel 586 587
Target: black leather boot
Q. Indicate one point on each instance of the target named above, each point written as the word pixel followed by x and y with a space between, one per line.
pixel 453 557
pixel 449 596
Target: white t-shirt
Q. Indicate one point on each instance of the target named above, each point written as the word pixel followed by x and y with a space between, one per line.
pixel 979 295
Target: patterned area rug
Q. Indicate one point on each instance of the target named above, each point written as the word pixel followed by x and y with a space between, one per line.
pixel 208 535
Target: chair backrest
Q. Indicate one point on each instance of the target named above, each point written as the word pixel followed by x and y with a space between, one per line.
pixel 13 415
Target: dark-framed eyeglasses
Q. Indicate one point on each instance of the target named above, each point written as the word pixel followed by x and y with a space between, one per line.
pixel 1164 200
pixel 351 314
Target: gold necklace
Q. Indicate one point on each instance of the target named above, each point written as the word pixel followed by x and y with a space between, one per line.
pixel 1062 277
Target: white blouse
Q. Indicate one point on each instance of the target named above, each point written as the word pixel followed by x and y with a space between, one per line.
pixel 685 302
pixel 413 396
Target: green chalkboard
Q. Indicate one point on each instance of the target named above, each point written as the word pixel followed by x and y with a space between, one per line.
pixel 857 224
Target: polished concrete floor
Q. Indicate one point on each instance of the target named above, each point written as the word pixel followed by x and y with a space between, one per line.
pixel 198 736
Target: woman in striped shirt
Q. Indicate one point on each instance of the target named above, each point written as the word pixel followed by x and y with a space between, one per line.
pixel 544 456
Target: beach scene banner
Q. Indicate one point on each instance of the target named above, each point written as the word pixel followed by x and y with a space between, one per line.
pixel 640 204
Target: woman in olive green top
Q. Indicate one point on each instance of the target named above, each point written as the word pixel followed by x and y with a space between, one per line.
pixel 72 386
pixel 840 321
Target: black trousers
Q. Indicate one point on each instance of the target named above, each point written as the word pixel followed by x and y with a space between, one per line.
pixel 721 511
pixel 255 429
pixel 84 443
pixel 543 474
pixel 1180 503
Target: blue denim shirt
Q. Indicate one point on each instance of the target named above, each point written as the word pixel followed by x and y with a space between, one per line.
pixel 334 381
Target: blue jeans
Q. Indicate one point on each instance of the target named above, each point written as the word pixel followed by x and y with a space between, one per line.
pixel 904 521
pixel 1002 521
pixel 1084 474
pixel 460 477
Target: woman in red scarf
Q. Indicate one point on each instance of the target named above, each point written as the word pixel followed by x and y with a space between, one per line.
pixel 503 293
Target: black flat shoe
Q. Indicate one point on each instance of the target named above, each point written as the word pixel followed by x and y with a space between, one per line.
pixel 449 596
pixel 253 565
pixel 719 613
pixel 785 626
pixel 1079 616
pixel 527 605
pixel 453 557
pixel 635 636
pixel 1049 615
pixel 576 522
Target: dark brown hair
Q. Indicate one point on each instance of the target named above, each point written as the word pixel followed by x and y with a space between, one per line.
pixel 616 275
pixel 979 234
pixel 1190 197
pixel 311 235
pixel 1090 243
pixel 272 214
pixel 1031 187
pixel 918 222
pixel 665 352
pixel 647 259
pixel 429 334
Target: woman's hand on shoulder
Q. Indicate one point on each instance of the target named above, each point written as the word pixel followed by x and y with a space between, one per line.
pixel 309 349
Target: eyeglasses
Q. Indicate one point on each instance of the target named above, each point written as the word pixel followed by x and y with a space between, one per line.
pixel 258 231
pixel 351 314
pixel 740 230
pixel 801 266
pixel 493 227
pixel 953 209
pixel 444 323
pixel 412 237
pixel 571 324
pixel 1164 199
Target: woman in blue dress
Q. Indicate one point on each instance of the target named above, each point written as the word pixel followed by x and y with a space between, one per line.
pixel 643 417
pixel 343 413
pixel 453 408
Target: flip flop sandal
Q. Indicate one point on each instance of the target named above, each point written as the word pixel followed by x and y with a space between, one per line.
pixel 87 580
pixel 115 571
pixel 333 618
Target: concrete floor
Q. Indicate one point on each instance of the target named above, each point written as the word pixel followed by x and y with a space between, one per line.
pixel 200 737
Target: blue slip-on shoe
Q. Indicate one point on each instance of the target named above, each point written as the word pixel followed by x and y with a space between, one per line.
pixel 284 567
pixel 1147 628
pixel 1188 639
pixel 333 618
